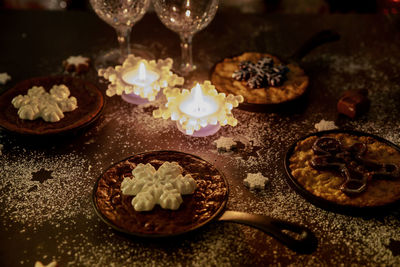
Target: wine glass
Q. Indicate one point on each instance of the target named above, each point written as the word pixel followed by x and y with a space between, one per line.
pixel 186 17
pixel 121 15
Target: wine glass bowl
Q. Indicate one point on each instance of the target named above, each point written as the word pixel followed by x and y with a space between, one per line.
pixel 121 15
pixel 186 17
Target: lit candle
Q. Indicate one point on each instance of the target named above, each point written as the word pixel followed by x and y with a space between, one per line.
pixel 143 80
pixel 199 112
pixel 139 81
pixel 141 77
pixel 197 105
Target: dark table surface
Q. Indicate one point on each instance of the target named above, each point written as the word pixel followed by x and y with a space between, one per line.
pixel 54 219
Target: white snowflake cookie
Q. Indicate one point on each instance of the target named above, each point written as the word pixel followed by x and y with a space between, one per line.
pixel 49 106
pixel 163 186
pixel 255 181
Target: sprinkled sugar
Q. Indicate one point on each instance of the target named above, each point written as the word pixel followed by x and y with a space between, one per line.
pixel 56 204
pixel 32 202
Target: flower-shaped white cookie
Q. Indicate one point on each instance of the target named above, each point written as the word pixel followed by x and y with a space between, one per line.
pixel 163 186
pixel 50 106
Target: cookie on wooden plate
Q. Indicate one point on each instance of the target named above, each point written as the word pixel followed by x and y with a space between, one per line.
pixel 291 87
pixel 90 102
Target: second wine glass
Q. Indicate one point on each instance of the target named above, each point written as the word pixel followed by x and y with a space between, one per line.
pixel 121 15
pixel 186 17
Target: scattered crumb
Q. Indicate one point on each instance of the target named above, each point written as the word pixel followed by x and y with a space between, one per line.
pixel 255 181
pixel 324 125
pixel 4 78
pixel 51 264
pixel 225 143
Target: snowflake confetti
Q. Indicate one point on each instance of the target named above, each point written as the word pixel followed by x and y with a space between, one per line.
pixel 4 78
pixel 324 125
pixel 225 143
pixel 255 181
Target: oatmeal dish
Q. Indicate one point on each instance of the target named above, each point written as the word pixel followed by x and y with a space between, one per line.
pixel 160 193
pixel 259 78
pixel 347 169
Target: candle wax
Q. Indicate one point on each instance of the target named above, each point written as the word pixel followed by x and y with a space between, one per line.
pixel 197 105
pixel 141 77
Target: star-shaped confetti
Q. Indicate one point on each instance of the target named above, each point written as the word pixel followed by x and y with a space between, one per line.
pixel 4 78
pixel 42 175
pixel 225 143
pixel 324 125
pixel 255 181
pixel 78 64
pixel 247 151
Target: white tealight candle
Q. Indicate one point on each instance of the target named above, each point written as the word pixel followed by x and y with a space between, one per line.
pixel 141 77
pixel 199 112
pixel 139 81
pixel 198 105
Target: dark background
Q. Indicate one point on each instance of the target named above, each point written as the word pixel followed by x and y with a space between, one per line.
pixel 246 6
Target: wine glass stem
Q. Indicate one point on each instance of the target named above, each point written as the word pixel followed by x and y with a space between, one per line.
pixel 186 56
pixel 124 35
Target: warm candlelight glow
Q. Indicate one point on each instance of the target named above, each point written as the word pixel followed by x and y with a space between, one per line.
pixel 141 78
pixel 197 105
pixel 199 108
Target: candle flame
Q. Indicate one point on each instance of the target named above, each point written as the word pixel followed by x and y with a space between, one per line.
pixel 197 94
pixel 142 72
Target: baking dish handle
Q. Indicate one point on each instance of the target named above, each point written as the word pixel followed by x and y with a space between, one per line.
pixel 294 236
pixel 316 40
